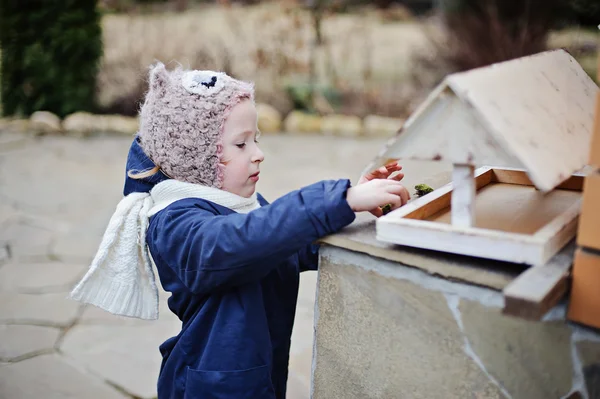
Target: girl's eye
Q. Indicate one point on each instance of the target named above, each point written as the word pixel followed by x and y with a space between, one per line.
pixel 256 140
pixel 240 145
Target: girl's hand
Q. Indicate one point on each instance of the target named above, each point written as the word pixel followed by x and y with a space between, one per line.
pixel 383 173
pixel 369 196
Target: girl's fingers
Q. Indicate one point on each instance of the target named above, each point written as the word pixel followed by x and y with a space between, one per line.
pixel 398 202
pixel 405 196
pixel 383 172
pixel 393 187
pixel 398 177
pixel 394 199
pixel 377 212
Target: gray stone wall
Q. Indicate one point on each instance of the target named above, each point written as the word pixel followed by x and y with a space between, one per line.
pixel 384 330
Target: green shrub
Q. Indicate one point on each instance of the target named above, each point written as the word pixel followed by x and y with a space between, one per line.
pixel 50 55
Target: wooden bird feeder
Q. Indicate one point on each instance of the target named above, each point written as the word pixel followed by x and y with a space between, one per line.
pixel 526 124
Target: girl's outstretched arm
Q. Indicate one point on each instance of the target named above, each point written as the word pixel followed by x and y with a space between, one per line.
pixel 210 252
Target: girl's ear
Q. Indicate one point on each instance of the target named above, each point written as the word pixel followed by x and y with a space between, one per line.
pixel 159 78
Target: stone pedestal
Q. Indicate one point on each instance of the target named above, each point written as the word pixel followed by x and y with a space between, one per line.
pixel 398 323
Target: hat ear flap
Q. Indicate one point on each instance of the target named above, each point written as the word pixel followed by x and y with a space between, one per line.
pixel 159 78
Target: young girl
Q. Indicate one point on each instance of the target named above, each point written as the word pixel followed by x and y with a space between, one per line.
pixel 230 260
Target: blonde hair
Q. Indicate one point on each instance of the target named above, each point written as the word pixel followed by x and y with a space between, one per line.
pixel 134 174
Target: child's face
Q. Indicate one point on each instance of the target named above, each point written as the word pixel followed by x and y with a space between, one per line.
pixel 241 156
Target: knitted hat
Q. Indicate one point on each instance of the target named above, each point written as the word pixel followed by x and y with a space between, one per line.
pixel 182 119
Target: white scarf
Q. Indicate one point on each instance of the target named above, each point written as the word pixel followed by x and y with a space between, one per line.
pixel 121 279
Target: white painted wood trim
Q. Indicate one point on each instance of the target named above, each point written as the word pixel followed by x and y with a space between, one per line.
pixel 419 202
pixel 560 231
pixel 535 249
pixel 481 243
pixel 463 196
pixel 431 197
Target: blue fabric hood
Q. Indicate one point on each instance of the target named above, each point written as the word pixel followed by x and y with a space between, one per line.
pixel 138 161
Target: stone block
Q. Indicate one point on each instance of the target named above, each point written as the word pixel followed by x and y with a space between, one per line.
pixel 380 126
pixel 416 335
pixel 300 122
pixel 52 376
pixel 15 126
pixel 380 337
pixel 589 355
pixel 45 122
pixel 530 359
pixel 84 123
pixel 342 125
pixel 269 119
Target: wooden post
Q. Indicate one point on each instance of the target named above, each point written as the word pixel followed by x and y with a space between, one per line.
pixel 463 195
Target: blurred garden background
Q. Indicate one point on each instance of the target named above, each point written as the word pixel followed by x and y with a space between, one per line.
pixel 346 57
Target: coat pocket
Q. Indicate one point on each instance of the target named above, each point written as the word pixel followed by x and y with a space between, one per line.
pixel 253 383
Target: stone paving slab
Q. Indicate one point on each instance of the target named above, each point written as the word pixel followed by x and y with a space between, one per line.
pixel 56 197
pixel 27 242
pixel 46 277
pixel 52 377
pixel 17 341
pixel 41 309
pixel 127 356
pixel 7 212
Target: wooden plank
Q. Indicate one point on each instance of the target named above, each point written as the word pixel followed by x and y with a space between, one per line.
pixel 514 208
pixel 511 176
pixel 517 176
pixel 595 142
pixel 575 182
pixel 584 301
pixel 481 243
pixel 425 222
pixel 556 234
pixel 539 288
pixel 463 196
pixel 424 207
pixel 589 225
pixel 428 205
pixel 594 152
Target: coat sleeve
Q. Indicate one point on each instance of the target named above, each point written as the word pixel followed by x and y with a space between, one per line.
pixel 210 252
pixel 309 257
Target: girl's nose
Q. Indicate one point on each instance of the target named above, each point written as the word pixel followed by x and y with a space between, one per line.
pixel 258 156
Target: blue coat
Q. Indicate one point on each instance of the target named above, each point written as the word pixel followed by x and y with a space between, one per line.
pixel 234 284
